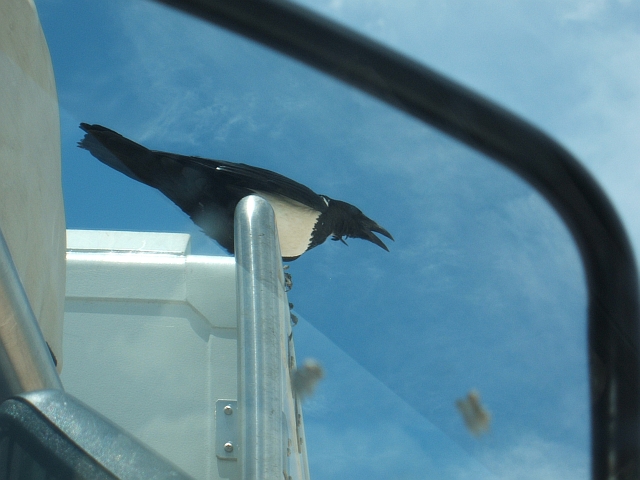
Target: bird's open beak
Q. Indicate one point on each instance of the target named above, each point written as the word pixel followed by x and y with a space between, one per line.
pixel 378 229
pixel 369 235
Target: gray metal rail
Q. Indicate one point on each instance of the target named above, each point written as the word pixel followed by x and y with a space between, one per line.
pixel 25 361
pixel 261 310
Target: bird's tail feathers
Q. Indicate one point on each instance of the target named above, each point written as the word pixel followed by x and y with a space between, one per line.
pixel 114 150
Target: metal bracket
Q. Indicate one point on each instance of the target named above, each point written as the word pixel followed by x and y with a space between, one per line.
pixel 227 429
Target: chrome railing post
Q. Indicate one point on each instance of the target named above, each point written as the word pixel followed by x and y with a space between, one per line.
pixel 261 310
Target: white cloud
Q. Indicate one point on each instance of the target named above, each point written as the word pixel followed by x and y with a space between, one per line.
pixel 381 450
pixel 577 84
pixel 532 458
pixel 386 438
pixel 571 67
pixel 584 10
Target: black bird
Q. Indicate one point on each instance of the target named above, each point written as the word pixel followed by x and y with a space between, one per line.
pixel 209 190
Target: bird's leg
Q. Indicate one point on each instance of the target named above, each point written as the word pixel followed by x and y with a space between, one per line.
pixel 335 238
pixel 288 285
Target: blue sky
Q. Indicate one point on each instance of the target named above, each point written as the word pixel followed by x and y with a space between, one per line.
pixel 482 288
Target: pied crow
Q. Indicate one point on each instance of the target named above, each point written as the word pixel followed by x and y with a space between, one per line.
pixel 209 190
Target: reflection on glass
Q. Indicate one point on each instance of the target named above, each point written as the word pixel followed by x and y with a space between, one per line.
pixel 482 290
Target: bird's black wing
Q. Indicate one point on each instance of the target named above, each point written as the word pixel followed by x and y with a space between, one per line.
pixel 152 167
pixel 199 193
pixel 177 176
pixel 258 179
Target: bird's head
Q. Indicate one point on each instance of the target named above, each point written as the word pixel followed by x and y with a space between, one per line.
pixel 348 221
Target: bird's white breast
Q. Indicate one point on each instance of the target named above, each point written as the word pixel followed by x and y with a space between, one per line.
pixel 295 223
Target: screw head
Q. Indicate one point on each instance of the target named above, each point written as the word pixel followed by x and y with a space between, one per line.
pixel 228 447
pixel 228 410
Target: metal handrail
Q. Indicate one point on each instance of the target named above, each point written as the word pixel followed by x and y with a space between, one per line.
pixel 612 281
pixel 26 364
pixel 260 311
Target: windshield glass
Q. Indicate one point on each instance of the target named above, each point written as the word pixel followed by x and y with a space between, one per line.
pixel 479 304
